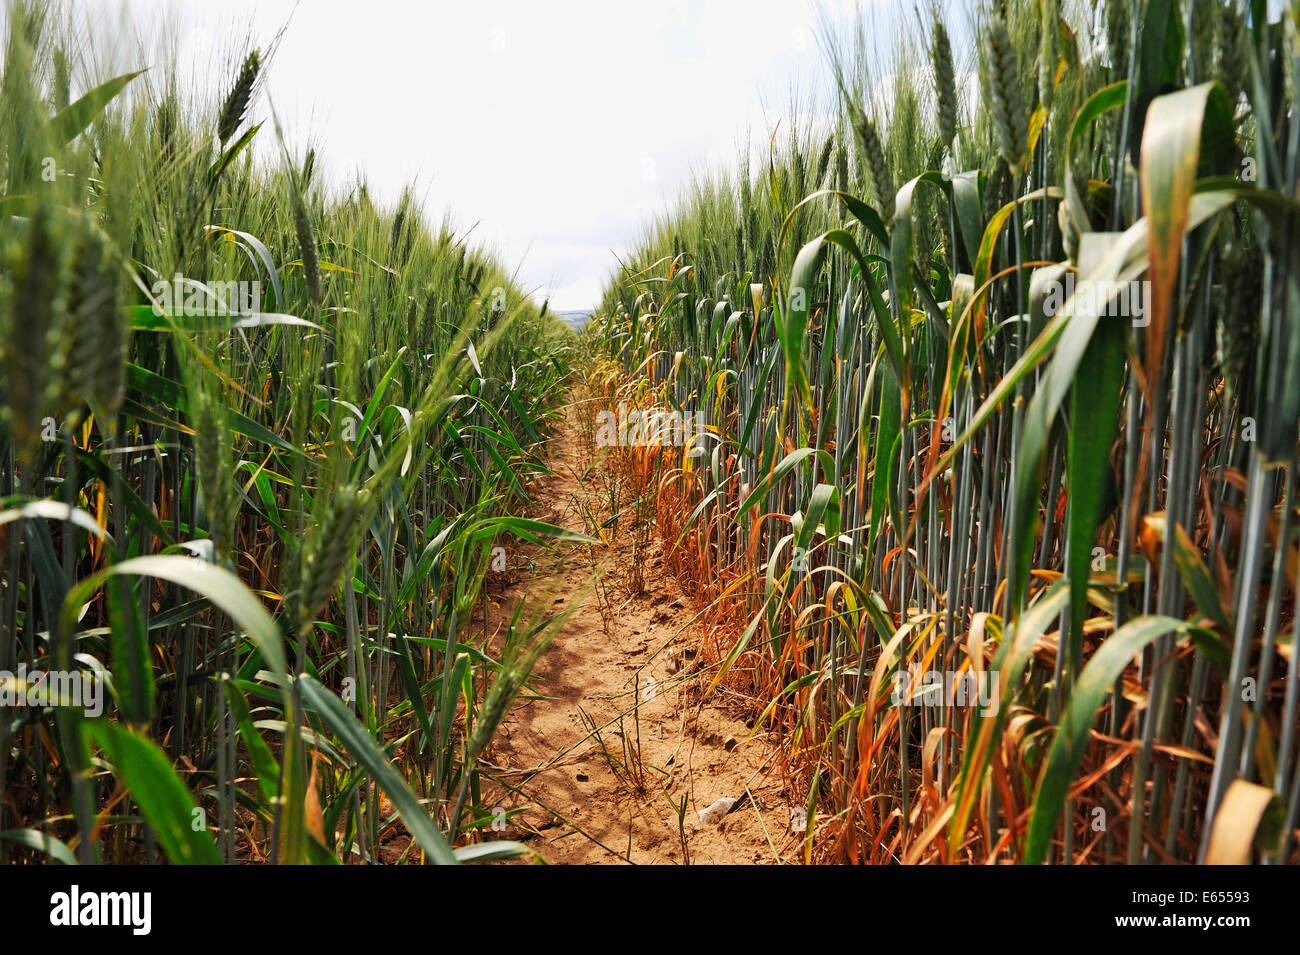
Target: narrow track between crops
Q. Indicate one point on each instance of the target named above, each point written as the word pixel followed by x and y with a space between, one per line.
pixel 568 757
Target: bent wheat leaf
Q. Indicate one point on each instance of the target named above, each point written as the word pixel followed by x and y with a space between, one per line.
pixel 1248 816
pixel 161 795
pixel 1176 127
pixel 336 715
pixel 70 121
pixel 1071 740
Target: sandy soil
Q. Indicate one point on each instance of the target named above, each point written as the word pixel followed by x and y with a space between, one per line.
pixel 585 796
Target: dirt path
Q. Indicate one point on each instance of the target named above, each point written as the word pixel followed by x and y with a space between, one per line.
pixel 587 797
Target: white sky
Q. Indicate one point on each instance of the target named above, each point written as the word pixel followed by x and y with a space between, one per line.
pixel 559 126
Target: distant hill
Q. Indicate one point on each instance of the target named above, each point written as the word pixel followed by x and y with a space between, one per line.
pixel 576 319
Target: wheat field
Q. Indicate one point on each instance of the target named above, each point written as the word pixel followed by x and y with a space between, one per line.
pixel 963 413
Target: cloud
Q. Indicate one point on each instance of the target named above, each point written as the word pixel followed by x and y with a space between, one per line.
pixel 559 128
